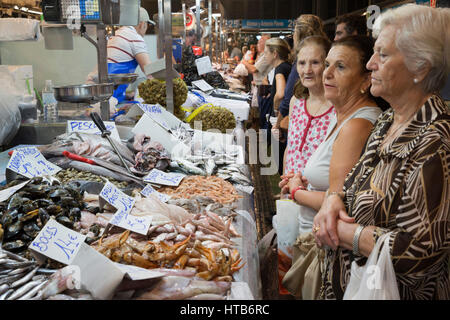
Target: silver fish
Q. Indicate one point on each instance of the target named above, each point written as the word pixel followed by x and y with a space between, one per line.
pixel 101 171
pixel 24 279
pixel 4 288
pixel 24 289
pixel 6 294
pixel 210 166
pixel 189 167
pixel 65 142
pixel 13 255
pixel 33 291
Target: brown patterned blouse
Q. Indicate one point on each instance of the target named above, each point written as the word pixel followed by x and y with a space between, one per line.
pixel 404 188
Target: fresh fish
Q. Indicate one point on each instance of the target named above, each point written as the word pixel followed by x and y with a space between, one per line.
pixel 178 288
pixel 240 178
pixel 189 167
pixel 210 166
pixel 46 271
pixel 33 291
pixel 6 294
pixel 85 144
pixel 13 255
pixel 3 288
pixel 101 171
pixel 24 289
pixel 24 279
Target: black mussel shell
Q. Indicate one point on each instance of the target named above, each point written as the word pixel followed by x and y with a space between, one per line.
pixel 14 245
pixel 7 219
pixel 53 209
pixel 75 214
pixel 44 203
pixel 65 221
pixel 16 201
pixel 31 229
pixel 43 216
pixel 26 238
pixel 67 202
pixel 93 209
pixel 13 229
pixel 29 206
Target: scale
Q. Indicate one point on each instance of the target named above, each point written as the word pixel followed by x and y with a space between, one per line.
pixel 101 13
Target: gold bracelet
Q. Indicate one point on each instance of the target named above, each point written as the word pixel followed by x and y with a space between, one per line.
pixel 340 194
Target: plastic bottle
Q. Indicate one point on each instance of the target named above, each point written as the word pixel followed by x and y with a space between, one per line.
pixel 50 105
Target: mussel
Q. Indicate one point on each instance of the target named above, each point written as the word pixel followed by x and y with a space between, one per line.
pixel 14 245
pixel 13 229
pixel 75 214
pixel 43 216
pixel 31 229
pixel 53 209
pixel 65 221
pixel 16 201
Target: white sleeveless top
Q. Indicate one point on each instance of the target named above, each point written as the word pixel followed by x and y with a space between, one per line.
pixel 317 170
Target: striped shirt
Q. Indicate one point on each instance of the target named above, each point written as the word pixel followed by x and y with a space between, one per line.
pixel 125 45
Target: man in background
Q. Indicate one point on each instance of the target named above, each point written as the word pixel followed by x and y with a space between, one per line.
pixel 348 25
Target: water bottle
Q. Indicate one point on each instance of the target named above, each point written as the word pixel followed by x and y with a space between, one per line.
pixel 50 105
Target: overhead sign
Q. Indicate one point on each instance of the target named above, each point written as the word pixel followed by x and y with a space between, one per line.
pixel 268 24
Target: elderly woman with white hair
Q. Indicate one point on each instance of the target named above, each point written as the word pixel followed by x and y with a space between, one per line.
pixel 401 184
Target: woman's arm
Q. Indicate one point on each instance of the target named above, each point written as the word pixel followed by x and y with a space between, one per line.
pixel 279 94
pixel 426 219
pixel 250 67
pixel 347 150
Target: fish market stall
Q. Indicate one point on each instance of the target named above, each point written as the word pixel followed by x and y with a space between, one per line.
pixel 162 208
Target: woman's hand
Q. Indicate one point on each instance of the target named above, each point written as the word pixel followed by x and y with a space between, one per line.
pixel 291 181
pixel 325 222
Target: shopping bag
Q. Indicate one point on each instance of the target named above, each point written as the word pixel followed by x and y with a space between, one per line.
pixel 285 222
pixel 304 279
pixel 376 279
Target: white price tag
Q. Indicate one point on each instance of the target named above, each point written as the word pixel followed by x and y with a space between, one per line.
pixel 155 111
pixel 124 203
pixel 5 194
pixel 148 190
pixel 203 65
pixel 57 242
pixel 202 85
pixel 165 178
pixel 30 163
pixel 90 127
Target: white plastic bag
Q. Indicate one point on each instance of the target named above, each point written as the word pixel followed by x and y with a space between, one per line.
pixel 376 279
pixel 241 70
pixel 285 223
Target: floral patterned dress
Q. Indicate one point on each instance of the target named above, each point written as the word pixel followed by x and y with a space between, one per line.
pixel 305 134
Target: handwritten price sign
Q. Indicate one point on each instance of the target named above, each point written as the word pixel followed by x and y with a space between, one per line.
pixel 148 190
pixel 30 163
pixel 57 242
pixel 124 203
pixel 160 177
pixel 155 111
pixel 90 127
